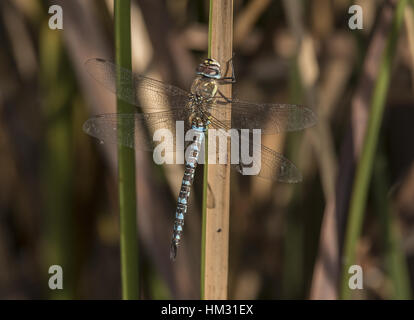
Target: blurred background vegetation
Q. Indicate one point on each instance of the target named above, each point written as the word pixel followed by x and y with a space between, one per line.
pixel 58 192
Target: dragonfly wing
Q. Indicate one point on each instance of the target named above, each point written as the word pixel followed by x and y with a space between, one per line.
pixel 270 118
pixel 105 127
pixel 144 92
pixel 269 164
pixel 261 160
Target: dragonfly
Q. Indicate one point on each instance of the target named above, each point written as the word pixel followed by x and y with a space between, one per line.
pixel 159 105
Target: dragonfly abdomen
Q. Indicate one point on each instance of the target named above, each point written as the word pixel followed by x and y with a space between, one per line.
pixel 188 178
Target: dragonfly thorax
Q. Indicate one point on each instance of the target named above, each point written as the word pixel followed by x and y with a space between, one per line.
pixel 203 89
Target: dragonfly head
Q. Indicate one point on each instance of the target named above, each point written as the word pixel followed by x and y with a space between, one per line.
pixel 209 68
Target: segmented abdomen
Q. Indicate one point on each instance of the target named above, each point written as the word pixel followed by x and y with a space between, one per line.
pixel 190 166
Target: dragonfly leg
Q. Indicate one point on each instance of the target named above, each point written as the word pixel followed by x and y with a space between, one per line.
pixel 232 79
pixel 228 100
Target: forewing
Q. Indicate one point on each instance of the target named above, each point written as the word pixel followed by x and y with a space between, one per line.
pixel 144 92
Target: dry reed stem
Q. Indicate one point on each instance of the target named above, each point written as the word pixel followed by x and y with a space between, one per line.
pixel 246 19
pixel 339 71
pixel 217 218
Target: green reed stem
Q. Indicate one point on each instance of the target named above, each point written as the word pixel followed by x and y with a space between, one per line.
pixel 126 163
pixel 396 265
pixel 58 86
pixel 205 177
pixel 364 168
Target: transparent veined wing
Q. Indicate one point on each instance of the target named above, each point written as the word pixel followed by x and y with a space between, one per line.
pixel 268 163
pixel 105 127
pixel 270 118
pixel 144 92
pixel 272 166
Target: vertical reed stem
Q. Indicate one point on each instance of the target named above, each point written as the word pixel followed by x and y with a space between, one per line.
pixel 216 220
pixel 364 168
pixel 205 178
pixel 57 165
pixel 126 163
pixel 396 265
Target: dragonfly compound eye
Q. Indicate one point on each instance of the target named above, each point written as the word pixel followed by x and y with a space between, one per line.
pixel 210 68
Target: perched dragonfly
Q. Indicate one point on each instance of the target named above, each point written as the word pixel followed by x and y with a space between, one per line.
pixel 199 109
